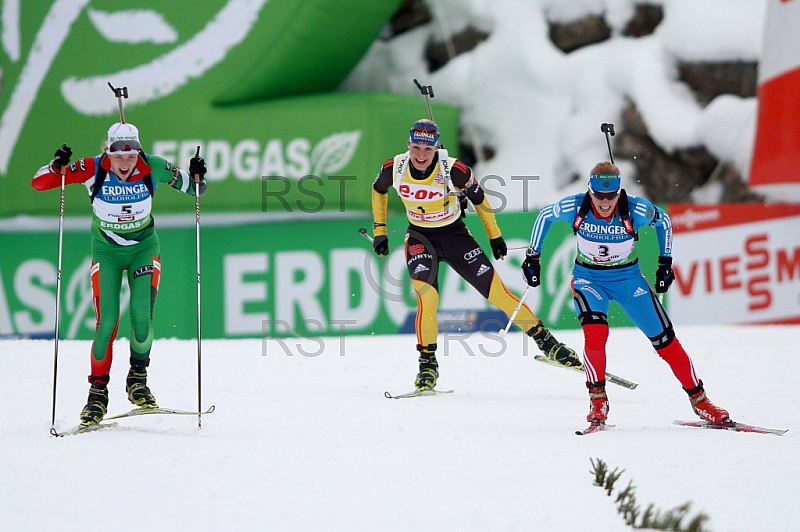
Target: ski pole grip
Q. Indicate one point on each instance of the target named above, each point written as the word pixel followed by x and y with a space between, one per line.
pixel 197 176
pixel 425 90
pixel 607 128
pixel 363 232
pixel 119 92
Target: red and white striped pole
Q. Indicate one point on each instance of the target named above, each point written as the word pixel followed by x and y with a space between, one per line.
pixel 775 169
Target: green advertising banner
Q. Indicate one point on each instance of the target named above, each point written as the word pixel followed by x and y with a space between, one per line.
pixel 276 279
pixel 249 81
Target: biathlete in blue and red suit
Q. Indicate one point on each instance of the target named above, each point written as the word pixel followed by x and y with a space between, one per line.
pixel 429 182
pixel 606 222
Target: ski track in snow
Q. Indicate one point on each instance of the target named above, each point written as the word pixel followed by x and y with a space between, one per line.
pixel 310 443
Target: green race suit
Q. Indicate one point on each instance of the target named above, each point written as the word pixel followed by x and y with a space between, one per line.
pixel 124 243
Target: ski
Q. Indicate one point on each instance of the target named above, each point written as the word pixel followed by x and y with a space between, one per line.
pixel 416 393
pixel 595 426
pixel 81 429
pixel 610 377
pixel 733 425
pixel 159 410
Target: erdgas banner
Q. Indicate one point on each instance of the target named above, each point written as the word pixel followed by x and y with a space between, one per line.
pixel 249 81
pixel 277 279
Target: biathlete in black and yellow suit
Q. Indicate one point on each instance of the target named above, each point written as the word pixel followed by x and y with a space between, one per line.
pixel 121 183
pixel 428 181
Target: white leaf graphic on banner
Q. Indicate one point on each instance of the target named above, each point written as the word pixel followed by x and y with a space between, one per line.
pixel 334 153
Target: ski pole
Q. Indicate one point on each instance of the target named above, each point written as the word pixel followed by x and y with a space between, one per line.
pixel 516 310
pixel 58 297
pixel 427 91
pixel 608 129
pixel 199 358
pixel 363 232
pixel 120 93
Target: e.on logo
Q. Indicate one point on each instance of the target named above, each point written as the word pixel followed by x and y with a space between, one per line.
pixel 757 271
pixel 420 192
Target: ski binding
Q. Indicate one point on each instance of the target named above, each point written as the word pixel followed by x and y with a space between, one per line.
pixel 595 426
pixel 416 393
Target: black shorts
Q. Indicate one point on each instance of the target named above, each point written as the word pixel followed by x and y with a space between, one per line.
pixel 427 247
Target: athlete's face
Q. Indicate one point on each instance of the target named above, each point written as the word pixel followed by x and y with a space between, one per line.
pixel 421 155
pixel 123 164
pixel 605 202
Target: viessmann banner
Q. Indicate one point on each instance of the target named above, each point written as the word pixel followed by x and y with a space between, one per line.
pixel 249 81
pixel 736 263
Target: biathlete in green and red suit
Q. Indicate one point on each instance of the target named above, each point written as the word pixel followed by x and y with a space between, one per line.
pixel 121 183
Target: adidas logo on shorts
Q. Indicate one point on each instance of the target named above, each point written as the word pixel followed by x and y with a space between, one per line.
pixel 639 292
pixel 421 268
pixel 483 269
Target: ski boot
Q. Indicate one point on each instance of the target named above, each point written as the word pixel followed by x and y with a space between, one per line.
pixel 97 403
pixel 705 408
pixel 136 386
pixel 428 368
pixel 598 402
pixel 552 348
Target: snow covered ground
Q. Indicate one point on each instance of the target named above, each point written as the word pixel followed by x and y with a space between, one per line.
pixel 308 442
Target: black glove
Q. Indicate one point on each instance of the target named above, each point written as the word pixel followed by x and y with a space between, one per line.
pixel 462 202
pixel 381 245
pixel 532 270
pixel 197 166
pixel 499 248
pixel 62 157
pixel 664 274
